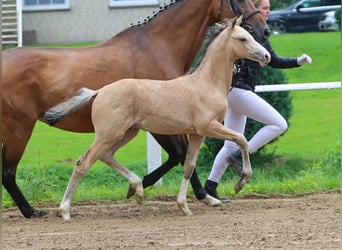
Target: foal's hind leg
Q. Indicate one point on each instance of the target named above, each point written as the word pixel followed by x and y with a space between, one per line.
pixel 195 142
pixel 84 162
pixel 136 186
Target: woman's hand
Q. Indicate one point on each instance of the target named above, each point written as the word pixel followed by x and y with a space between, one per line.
pixel 304 58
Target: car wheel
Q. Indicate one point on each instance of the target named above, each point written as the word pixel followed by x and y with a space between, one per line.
pixel 277 27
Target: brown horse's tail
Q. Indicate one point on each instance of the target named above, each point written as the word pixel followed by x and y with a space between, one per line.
pixel 58 112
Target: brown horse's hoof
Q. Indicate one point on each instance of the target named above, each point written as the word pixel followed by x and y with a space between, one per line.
pixel 39 213
pixel 130 192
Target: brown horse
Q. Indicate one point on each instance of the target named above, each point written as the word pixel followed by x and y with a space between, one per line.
pixel 194 104
pixel 34 80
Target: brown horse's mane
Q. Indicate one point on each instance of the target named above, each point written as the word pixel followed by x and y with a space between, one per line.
pixel 155 14
pixel 147 20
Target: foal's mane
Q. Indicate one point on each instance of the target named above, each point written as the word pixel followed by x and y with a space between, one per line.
pixel 212 32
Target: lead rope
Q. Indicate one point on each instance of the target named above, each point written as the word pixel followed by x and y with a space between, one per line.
pixel 248 15
pixel 236 10
pixel 231 7
pixel 220 11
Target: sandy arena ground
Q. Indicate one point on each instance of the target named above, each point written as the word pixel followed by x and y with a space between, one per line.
pixel 309 222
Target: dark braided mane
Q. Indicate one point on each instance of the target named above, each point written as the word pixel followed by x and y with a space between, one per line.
pixel 161 9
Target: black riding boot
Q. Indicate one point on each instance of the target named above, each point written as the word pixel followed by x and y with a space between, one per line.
pixel 210 187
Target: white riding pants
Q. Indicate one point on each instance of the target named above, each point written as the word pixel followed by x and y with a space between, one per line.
pixel 242 104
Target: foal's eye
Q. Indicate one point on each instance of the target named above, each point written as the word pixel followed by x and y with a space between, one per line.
pixel 242 39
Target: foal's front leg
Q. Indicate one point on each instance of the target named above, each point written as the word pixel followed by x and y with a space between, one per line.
pixel 219 131
pixel 195 142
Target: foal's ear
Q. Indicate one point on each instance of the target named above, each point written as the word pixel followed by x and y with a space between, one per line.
pixel 237 21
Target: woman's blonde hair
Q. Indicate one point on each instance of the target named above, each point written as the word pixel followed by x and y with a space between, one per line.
pixel 256 3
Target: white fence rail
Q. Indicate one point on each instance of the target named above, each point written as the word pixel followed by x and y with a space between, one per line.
pixel 297 86
pixel 154 159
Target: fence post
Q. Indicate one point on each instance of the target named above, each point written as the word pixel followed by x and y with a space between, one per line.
pixel 154 158
pixel 20 23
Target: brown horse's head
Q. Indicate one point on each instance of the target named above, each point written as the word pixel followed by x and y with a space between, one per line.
pixel 252 20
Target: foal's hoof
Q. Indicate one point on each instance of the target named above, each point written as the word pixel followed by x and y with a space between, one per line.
pixel 65 214
pixel 139 199
pixel 241 183
pixel 130 191
pixel 238 187
pixel 137 190
pixel 236 161
pixel 185 209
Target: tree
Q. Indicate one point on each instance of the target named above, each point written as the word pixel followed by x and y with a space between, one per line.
pixel 280 4
pixel 338 17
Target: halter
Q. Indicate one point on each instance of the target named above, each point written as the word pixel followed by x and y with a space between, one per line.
pixel 233 7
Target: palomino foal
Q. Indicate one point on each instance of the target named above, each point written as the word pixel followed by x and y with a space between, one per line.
pixel 193 104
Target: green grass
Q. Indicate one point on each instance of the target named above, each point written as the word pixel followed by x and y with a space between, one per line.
pixel 309 152
pixel 49 145
pixel 324 48
pixel 315 126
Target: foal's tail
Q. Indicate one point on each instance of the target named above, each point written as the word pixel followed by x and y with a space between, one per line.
pixel 58 112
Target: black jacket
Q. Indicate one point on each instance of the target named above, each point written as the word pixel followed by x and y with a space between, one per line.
pixel 248 71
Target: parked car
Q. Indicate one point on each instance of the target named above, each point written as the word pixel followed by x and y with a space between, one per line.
pixel 301 15
pixel 328 22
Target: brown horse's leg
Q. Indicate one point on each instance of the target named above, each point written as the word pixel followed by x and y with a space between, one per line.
pixel 15 138
pixel 175 146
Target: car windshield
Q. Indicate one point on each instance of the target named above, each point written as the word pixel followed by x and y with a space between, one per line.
pixel 313 3
pixel 293 4
pixel 301 16
pixel 305 4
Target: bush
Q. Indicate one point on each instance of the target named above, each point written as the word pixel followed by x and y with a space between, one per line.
pixel 281 101
pixel 338 17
